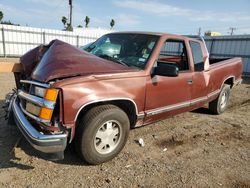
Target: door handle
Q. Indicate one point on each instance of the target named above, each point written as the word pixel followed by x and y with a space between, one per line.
pixel 190 81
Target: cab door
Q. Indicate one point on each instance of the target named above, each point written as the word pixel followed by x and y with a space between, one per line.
pixel 166 95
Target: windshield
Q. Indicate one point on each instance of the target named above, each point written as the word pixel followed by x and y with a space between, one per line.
pixel 131 50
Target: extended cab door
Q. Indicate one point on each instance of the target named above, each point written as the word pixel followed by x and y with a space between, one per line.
pixel 200 78
pixel 166 95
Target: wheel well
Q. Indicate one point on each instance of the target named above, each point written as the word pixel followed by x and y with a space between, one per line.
pixel 126 105
pixel 229 81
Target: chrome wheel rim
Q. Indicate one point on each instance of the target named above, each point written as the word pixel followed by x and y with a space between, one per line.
pixel 108 137
pixel 223 100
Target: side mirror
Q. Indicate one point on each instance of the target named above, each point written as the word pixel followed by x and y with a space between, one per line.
pixel 164 69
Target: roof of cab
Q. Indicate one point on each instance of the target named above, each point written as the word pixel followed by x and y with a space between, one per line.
pixel 154 33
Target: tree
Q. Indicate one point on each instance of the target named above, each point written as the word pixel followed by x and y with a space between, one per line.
pixel 69 27
pixel 87 20
pixel 9 23
pixel 112 23
pixel 208 33
pixel 1 16
pixel 64 21
pixel 6 22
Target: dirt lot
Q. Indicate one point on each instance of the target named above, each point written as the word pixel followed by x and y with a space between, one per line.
pixel 194 149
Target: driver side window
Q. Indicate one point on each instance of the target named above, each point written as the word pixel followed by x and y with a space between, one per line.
pixel 174 52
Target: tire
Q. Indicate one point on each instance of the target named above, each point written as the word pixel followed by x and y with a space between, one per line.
pixel 101 134
pixel 219 105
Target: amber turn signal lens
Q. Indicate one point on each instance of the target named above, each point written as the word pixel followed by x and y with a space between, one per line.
pixel 46 113
pixel 51 94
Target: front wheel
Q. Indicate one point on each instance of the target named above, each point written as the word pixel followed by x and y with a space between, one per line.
pixel 219 105
pixel 102 133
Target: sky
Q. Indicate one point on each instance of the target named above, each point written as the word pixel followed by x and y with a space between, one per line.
pixel 170 16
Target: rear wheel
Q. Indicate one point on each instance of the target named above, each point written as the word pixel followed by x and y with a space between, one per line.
pixel 102 134
pixel 219 105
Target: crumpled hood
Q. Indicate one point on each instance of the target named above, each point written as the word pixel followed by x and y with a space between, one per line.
pixel 63 60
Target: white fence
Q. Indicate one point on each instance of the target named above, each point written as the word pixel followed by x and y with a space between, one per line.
pixel 17 40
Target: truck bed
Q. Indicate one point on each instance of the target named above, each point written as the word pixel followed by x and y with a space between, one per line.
pixel 217 60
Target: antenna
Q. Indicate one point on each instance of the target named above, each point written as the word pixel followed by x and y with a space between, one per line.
pixel 199 31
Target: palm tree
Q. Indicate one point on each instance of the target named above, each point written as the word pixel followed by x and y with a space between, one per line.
pixel 64 21
pixel 87 20
pixel 112 23
pixel 69 27
pixel 1 16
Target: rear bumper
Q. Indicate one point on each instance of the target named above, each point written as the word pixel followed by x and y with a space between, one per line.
pixel 41 142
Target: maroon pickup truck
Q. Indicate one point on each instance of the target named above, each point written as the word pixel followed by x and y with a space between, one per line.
pixel 93 97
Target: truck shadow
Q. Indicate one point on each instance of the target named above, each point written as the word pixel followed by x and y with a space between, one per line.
pixel 202 110
pixel 246 80
pixel 9 137
pixel 15 150
pixel 70 156
pixel 8 159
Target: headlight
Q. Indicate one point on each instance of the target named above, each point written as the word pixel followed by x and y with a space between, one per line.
pixel 33 109
pixel 39 91
pixel 48 94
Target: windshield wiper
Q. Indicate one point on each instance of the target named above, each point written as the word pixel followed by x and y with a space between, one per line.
pixel 104 56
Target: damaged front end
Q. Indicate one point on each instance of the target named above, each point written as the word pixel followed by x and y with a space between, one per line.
pixel 35 108
pixel 37 104
pixel 37 116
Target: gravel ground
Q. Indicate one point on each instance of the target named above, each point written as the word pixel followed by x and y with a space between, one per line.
pixel 194 149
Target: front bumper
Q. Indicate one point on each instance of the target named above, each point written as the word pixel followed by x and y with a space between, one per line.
pixel 44 143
